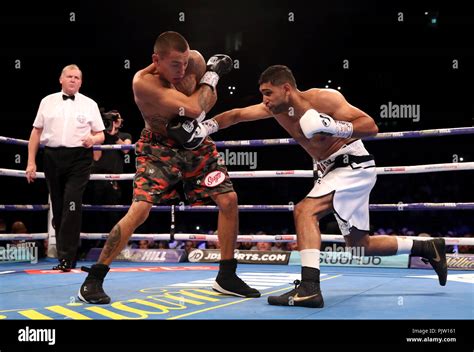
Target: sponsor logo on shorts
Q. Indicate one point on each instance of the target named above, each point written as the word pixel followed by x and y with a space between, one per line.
pixel 213 179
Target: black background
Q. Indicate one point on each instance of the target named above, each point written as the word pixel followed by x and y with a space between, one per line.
pixel 373 335
pixel 403 62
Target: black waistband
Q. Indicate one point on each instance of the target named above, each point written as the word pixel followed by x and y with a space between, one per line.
pixel 344 160
pixel 147 136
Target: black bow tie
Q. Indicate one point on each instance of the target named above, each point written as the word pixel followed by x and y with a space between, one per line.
pixel 66 97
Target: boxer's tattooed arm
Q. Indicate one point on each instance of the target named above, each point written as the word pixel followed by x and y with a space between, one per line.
pixel 112 244
pixel 194 72
pixel 206 98
pixel 187 86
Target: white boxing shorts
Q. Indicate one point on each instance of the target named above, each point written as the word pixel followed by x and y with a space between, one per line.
pixel 349 174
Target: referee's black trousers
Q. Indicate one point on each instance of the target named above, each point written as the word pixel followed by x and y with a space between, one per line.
pixel 67 172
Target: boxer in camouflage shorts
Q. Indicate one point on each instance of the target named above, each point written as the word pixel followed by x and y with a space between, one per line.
pixel 174 94
pixel 161 164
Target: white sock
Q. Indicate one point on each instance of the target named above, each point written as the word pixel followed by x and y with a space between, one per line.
pixel 404 245
pixel 310 258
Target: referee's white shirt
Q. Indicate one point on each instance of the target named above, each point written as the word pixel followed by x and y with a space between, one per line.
pixel 66 122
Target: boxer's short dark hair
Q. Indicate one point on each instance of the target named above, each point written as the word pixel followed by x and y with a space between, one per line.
pixel 277 75
pixel 168 41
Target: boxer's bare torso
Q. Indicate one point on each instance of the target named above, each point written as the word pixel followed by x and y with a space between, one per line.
pixel 156 115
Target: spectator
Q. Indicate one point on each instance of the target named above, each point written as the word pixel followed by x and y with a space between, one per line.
pixel 3 226
pixel 108 162
pixel 264 246
pixel 19 227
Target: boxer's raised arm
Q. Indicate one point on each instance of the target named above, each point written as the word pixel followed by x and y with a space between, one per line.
pixel 171 101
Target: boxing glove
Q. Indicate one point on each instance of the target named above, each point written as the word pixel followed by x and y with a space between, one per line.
pixel 217 66
pixel 313 122
pixel 202 131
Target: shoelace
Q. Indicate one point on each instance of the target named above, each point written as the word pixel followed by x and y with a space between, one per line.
pixel 293 291
pixel 63 264
pixel 297 284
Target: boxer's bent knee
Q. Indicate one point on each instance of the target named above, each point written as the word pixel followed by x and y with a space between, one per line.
pixel 227 202
pixel 310 208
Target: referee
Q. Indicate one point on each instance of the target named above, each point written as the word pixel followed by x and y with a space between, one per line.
pixel 68 124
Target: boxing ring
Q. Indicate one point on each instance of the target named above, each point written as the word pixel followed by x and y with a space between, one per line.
pixel 182 291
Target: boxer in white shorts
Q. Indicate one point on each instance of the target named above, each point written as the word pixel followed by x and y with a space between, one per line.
pixel 329 129
pixel 348 175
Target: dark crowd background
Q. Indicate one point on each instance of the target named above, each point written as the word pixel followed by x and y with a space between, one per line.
pixel 399 52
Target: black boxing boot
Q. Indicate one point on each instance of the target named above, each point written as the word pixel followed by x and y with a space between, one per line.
pixel 433 252
pixel 228 283
pixel 91 290
pixel 307 292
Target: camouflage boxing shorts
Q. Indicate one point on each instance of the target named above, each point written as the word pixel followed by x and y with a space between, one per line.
pixel 161 163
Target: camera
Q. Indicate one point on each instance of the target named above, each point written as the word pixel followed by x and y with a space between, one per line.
pixel 109 118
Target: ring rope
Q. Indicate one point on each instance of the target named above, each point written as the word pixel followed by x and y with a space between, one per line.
pixel 388 170
pixel 439 132
pixel 450 241
pixel 247 208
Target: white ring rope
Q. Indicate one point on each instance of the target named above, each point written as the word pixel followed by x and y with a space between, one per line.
pixel 466 241
pixel 389 170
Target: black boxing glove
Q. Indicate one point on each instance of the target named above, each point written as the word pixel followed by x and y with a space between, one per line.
pixel 203 130
pixel 182 129
pixel 217 66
